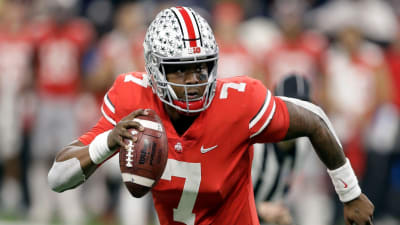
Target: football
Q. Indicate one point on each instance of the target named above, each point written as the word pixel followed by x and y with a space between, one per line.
pixel 143 162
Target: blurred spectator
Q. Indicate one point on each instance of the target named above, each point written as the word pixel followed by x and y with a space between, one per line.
pixel 234 58
pixel 357 86
pixel 297 50
pixel 368 131
pixel 16 73
pixel 354 64
pixel 121 50
pixel 383 161
pixel 62 40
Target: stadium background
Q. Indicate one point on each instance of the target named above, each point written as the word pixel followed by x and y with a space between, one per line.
pixel 58 57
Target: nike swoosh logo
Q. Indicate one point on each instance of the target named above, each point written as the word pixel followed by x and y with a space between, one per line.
pixel 205 150
pixel 344 183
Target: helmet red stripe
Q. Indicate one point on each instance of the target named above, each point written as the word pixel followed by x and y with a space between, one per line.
pixel 189 26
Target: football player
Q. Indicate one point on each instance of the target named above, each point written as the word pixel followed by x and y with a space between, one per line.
pixel 211 125
pixel 16 75
pixel 62 41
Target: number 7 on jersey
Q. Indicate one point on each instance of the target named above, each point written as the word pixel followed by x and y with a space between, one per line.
pixel 192 174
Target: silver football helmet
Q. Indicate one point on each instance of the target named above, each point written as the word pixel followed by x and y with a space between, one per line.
pixel 179 36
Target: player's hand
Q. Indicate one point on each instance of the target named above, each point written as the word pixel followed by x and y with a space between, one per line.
pixel 359 211
pixel 120 131
pixel 275 213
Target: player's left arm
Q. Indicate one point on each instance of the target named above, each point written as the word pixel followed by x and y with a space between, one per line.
pixel 307 119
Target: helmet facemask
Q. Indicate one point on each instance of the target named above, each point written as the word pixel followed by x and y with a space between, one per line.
pixel 166 46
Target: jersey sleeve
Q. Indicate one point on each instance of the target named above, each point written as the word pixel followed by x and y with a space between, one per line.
pixel 271 120
pixel 111 103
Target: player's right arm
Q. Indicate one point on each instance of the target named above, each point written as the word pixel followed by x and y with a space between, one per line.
pixel 77 161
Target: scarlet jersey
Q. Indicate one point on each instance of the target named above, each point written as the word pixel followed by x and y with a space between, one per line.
pixel 16 57
pixel 16 72
pixel 207 178
pixel 60 50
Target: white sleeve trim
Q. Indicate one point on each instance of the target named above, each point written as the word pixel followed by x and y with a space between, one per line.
pixel 314 109
pixel 108 103
pixel 271 114
pixel 109 119
pixel 261 112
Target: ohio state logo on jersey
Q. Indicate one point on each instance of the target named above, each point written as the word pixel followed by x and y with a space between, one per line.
pixel 178 147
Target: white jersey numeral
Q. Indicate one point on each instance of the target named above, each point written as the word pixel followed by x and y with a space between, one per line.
pixel 192 174
pixel 224 91
pixel 142 82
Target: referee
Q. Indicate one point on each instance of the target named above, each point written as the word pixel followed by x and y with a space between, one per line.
pixel 275 163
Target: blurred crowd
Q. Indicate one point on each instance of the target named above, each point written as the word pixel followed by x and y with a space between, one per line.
pixel 59 57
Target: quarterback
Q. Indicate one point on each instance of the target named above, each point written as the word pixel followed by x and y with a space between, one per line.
pixel 211 125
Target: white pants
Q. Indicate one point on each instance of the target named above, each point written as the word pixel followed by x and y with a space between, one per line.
pixel 10 126
pixel 55 127
pixel 45 202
